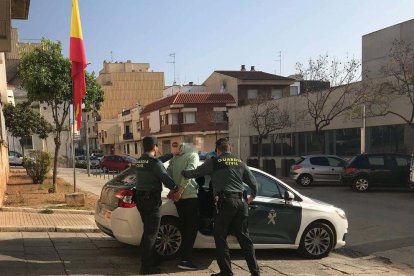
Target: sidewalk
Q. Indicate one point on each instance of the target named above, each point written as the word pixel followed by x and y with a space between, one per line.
pixel 92 183
pixel 30 220
pixel 97 254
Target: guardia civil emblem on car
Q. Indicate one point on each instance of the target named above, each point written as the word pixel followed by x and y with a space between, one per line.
pixel 271 217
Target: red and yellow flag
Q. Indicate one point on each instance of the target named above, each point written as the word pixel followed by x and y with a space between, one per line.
pixel 78 59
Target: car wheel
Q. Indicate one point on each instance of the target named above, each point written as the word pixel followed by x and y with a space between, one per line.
pixel 361 184
pixel 317 241
pixel 305 180
pixel 169 238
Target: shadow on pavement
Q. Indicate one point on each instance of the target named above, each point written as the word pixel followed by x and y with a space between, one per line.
pixel 94 253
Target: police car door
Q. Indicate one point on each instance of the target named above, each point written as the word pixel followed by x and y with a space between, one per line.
pixel 272 220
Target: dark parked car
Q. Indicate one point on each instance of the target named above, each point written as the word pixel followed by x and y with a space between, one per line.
pixel 80 161
pixel 377 170
pixel 94 162
pixel 116 162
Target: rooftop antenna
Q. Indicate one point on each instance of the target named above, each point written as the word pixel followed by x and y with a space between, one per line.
pixel 280 63
pixel 112 57
pixel 173 62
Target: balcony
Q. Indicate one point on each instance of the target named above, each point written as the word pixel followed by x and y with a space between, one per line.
pixel 128 136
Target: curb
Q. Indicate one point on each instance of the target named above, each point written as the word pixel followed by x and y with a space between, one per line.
pixel 67 229
pixel 38 210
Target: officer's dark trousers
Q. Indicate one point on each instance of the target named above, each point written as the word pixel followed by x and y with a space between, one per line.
pixel 150 215
pixel 188 211
pixel 232 218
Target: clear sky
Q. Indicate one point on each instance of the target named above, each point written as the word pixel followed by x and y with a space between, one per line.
pixel 209 35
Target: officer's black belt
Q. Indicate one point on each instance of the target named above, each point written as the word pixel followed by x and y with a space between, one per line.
pixel 146 193
pixel 230 195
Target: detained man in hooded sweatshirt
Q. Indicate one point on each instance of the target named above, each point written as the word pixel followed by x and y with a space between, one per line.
pixel 187 206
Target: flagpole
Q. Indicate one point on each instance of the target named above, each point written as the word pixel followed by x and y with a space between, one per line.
pixel 73 148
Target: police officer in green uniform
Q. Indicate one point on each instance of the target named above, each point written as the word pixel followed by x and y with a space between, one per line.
pixel 228 174
pixel 150 173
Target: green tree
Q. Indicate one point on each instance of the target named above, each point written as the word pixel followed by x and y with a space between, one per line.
pixel 46 76
pixel 22 121
pixel 94 94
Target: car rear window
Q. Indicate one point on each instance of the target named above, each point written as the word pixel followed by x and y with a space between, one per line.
pixel 126 178
pixel 358 161
pixel 335 162
pixel 402 161
pixel 300 160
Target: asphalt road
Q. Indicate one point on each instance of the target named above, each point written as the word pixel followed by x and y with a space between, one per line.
pixel 381 221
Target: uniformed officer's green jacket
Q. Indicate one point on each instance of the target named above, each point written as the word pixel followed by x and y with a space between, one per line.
pixel 151 173
pixel 227 174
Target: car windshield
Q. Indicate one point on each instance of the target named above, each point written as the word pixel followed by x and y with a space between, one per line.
pixel 352 160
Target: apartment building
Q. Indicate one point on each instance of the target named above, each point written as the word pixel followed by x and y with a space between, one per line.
pixel 125 85
pixel 199 118
pixel 246 85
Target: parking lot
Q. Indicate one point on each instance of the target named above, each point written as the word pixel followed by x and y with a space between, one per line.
pixel 381 221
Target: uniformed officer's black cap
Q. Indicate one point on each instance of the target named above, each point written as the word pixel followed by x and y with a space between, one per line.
pixel 222 141
pixel 149 141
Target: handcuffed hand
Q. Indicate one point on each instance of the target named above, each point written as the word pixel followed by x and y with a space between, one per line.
pixel 176 195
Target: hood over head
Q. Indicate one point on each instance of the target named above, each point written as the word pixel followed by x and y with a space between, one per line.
pixel 186 148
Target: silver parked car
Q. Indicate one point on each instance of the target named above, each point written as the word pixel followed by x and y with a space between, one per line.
pixel 15 158
pixel 317 168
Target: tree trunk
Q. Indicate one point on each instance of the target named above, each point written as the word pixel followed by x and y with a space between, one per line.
pixel 55 160
pixel 21 145
pixel 259 151
pixel 320 135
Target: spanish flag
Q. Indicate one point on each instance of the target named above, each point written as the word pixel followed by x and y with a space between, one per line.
pixel 78 59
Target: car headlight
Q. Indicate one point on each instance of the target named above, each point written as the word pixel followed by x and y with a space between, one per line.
pixel 340 213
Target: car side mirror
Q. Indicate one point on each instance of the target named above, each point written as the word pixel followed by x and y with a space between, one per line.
pixel 289 196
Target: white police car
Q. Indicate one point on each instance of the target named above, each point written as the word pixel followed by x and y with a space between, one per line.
pixel 279 217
